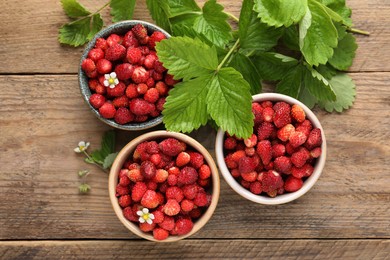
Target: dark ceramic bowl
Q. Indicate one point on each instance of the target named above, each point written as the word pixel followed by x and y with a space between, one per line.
pixel 119 28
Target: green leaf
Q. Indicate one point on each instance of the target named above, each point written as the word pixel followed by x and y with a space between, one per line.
pixel 280 12
pixel 290 37
pixel 245 66
pixel 318 86
pixel 318 35
pixel 75 33
pixel 186 58
pixel 84 188
pixel 90 161
pixel 185 19
pixel 97 157
pixel 341 9
pixel 74 9
pixel 212 24
pixel 185 30
pixel 185 107
pixel 108 143
pixel 122 10
pixel 253 34
pixel 273 66
pixel 96 25
pixel 109 160
pixel 179 7
pixel 229 102
pixel 307 98
pixel 345 91
pixel 327 71
pixel 292 82
pixel 159 10
pixel 344 53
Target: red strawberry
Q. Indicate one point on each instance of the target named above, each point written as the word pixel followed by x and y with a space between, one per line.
pixel 118 91
pixel 92 74
pixel 196 159
pixel 172 146
pixel 124 201
pixel 142 88
pixel 156 159
pixel 316 152
pixel 187 205
pixel 257 111
pixel 271 181
pixel 107 110
pixel 249 176
pixel 305 171
pixel 149 61
pixel 151 95
pixel 255 187
pixel 172 180
pixel 148 170
pixel 160 103
pixel 283 164
pixel 282 115
pixel 169 80
pixel 88 65
pixel 115 52
pixel 161 175
pixel 140 107
pixel 113 39
pixel 101 43
pixel 297 139
pixel 124 180
pixel 160 233
pixel 297 113
pixel 264 150
pixel 304 127
pixel 103 66
pixel 122 190
pixel 195 213
pixel 174 193
pixel 133 55
pixel 129 214
pixel 285 132
pixel 266 103
pixel 123 116
pixel 135 175
pixel 140 75
pixel 139 31
pixel 159 68
pixel 183 226
pixel 129 40
pixel 92 84
pixel 188 175
pixel 251 141
pixel 293 184
pixel 314 139
pixel 265 130
pixel 131 91
pixel 278 150
pixel 155 37
pixel 146 227
pixel 138 191
pixel 300 157
pixel 247 164
pixel 158 216
pixel 162 88
pixel 150 199
pixel 182 159
pixel 121 101
pixel 204 172
pixel 172 207
pixel 96 54
pixel 97 100
pixel 168 223
pixel 152 185
pixel 124 71
pixel 200 199
pixel 190 191
pixel 268 114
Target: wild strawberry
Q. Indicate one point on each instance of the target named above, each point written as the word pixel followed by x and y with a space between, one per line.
pixel 124 71
pixel 150 199
pixel 304 127
pixel 285 132
pixel 132 165
pixel 174 171
pixel 149 61
pixel 196 159
pixel 121 101
pixel 268 114
pixel 316 152
pixel 245 184
pixel 124 181
pixel 131 91
pixel 88 65
pixel 160 103
pixel 247 164
pixel 183 226
pixel 122 190
pixel 172 180
pixel 123 172
pixel 175 193
pixel 195 213
pixel 200 199
pixel 159 67
pixel 203 183
pixel 297 113
pixel 92 84
pixel 151 95
pixel 172 146
pixel 118 91
pixel 169 80
pixel 158 216
pixel 314 139
pixel 230 143
pixel 160 234
pixel 104 66
pixel 257 111
pixel 278 150
pixel 251 141
pixel 123 116
pixel 146 227
pixel 113 39
pixel 97 100
pixel 182 159
pixel 249 176
pixel 265 130
pixel 92 74
pixel 129 40
pixel 129 214
pixel 140 75
pixel 156 159
pixel 282 115
pixel 142 88
pixel 271 181
pixel 297 139
pixel 204 172
pixel 156 76
pixel 133 55
pixel 266 103
pixel 107 110
pixel 148 170
pixel 162 88
pixel 138 191
pixel 101 43
pixel 264 150
pixel 190 191
pixel 124 201
pixel 305 171
pixel 250 151
pixel 155 37
pixel 140 107
pixel 290 149
pixel 151 185
pixel 141 118
pixel 171 208
pixel 150 82
pixel 96 54
pixel 293 184
pixel 188 175
pixel 255 187
pixel 168 223
pixel 283 164
pixel 135 175
pixel 115 52
pixel 300 157
pixel 187 205
pixel 139 31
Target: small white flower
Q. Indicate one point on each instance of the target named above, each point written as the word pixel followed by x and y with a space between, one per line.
pixel 145 216
pixel 81 147
pixel 110 80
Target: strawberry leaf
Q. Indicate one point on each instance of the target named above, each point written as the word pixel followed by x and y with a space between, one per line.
pixel 159 10
pixel 96 26
pixel 318 85
pixel 122 9
pixel 292 82
pixel 74 9
pixel 181 7
pixel 245 66
pixel 344 53
pixel 75 33
pixel 307 98
pixel 273 66
pixel 108 160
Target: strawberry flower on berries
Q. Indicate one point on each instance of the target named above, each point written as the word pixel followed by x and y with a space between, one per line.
pixel 82 146
pixel 145 216
pixel 110 80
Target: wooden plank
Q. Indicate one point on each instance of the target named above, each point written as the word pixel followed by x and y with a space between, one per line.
pixel 197 249
pixel 42 118
pixel 30 30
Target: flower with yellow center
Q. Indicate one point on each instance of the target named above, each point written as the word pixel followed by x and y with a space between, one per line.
pixel 110 80
pixel 81 147
pixel 145 216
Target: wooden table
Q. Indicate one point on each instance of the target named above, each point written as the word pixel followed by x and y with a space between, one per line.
pixel 42 117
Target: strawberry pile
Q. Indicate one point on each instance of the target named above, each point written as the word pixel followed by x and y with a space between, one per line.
pixel 164 187
pixel 281 153
pixel 127 81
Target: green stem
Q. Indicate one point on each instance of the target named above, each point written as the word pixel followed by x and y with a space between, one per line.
pixel 232 16
pixel 353 30
pixel 228 55
pixel 91 159
pixel 92 14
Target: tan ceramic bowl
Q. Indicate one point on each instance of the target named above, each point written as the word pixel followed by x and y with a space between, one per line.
pixel 129 149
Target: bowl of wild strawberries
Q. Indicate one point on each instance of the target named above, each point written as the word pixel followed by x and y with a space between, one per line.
pixel 121 78
pixel 164 186
pixel 284 156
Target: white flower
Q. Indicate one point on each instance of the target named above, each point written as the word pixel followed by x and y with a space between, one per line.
pixel 145 216
pixel 110 80
pixel 81 147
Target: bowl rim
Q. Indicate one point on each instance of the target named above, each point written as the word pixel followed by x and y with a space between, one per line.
pixel 287 197
pixel 127 150
pixel 83 80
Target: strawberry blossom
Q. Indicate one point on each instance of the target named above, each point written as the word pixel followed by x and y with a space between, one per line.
pixel 145 216
pixel 110 80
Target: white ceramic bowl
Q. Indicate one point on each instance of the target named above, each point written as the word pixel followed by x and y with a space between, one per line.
pixel 286 197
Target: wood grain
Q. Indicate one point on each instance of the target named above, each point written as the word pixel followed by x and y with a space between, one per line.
pixel 42 118
pixel 196 249
pixel 30 30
